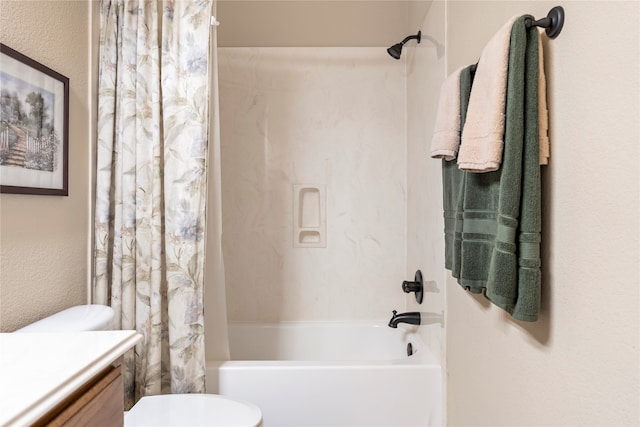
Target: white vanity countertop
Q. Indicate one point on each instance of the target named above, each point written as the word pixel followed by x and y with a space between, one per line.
pixel 39 370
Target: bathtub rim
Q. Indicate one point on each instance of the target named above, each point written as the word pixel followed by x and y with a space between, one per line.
pixel 422 356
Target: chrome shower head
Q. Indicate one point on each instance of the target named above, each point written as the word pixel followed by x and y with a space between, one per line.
pixel 396 50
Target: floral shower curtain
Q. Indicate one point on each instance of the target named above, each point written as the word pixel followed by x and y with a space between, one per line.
pixel 151 186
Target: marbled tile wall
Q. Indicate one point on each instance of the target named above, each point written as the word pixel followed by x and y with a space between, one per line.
pixel 333 117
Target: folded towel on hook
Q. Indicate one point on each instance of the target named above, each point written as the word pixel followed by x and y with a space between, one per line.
pixel 483 133
pixel 446 134
pixel 486 117
pixel 493 220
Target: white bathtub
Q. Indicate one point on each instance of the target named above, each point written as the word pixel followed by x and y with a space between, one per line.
pixel 306 374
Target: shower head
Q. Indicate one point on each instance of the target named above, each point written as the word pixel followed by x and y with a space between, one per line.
pixel 396 50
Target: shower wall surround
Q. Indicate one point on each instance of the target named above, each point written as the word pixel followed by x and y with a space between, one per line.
pixel 425 243
pixel 333 118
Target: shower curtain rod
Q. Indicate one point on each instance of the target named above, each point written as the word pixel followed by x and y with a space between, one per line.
pixel 552 23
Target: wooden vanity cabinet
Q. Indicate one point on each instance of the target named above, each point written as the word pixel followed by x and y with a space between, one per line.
pixel 99 403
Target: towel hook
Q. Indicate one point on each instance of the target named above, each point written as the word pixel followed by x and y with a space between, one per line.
pixel 552 23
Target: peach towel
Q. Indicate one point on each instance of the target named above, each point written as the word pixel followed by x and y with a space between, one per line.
pixel 543 114
pixel 446 133
pixel 483 133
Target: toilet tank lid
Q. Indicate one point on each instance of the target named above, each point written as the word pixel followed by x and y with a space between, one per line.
pixel 91 317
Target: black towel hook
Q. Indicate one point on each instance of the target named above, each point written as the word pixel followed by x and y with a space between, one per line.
pixel 552 23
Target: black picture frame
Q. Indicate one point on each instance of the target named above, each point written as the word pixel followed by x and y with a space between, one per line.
pixel 34 126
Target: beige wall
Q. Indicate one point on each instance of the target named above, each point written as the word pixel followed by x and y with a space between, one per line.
pixel 311 23
pixel 44 239
pixel 579 364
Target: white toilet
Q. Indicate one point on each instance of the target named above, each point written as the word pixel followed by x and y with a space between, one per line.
pixel 164 410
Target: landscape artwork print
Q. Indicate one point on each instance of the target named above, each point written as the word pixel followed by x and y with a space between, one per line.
pixel 34 116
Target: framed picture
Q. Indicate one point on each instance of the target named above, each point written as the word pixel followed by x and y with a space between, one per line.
pixel 34 126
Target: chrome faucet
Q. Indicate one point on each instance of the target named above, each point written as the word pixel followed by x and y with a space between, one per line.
pixel 412 318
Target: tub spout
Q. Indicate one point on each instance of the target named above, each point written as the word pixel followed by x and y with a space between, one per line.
pixel 412 318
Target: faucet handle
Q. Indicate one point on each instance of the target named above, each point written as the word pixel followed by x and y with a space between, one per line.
pixel 416 286
pixel 410 286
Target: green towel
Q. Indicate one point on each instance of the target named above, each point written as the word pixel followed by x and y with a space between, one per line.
pixel 453 186
pixel 493 220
